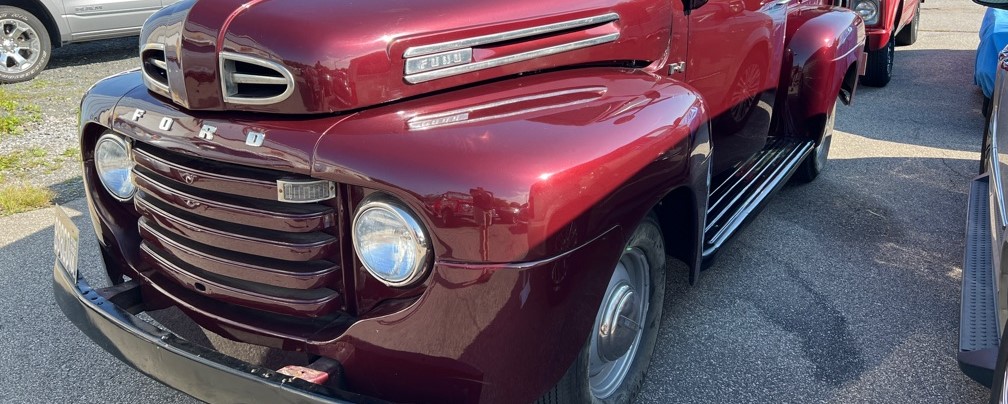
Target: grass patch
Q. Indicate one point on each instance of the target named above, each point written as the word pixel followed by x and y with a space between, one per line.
pixel 22 198
pixel 14 115
pixel 25 160
pixel 39 84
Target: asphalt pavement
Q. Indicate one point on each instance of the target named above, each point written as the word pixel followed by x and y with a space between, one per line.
pixel 842 290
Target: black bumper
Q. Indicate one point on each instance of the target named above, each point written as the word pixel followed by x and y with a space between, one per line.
pixel 200 372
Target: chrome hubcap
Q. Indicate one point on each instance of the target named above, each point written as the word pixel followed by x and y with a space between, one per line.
pixel 619 324
pixel 20 46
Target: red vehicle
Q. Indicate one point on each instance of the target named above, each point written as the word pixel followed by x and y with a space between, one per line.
pixel 888 23
pixel 278 171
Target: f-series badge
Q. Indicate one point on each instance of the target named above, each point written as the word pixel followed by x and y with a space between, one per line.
pixel 436 61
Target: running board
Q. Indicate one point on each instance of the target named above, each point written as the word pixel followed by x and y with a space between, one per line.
pixel 978 318
pixel 743 192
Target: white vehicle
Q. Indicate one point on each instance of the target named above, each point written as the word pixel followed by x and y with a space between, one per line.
pixel 30 29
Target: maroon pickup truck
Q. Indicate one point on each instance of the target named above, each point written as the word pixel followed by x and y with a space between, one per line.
pixel 454 201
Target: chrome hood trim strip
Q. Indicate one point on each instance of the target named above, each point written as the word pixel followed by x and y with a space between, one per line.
pixel 518 57
pixel 509 35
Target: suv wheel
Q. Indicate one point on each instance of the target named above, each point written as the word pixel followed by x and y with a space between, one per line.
pixel 24 45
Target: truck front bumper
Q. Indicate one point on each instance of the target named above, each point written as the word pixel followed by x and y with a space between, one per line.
pixel 877 38
pixel 200 372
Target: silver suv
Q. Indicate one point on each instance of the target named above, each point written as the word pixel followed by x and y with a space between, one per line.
pixel 30 29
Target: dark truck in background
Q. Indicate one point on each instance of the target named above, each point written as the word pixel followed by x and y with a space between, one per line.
pixel 284 174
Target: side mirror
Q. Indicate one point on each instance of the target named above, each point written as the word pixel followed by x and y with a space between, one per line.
pixel 690 5
pixel 1002 4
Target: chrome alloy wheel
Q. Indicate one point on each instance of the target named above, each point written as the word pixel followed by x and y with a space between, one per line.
pixel 744 96
pixel 619 324
pixel 20 46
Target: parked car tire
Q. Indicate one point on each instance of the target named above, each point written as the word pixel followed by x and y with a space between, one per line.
pixel 25 46
pixel 595 379
pixel 880 63
pixel 908 35
pixel 815 162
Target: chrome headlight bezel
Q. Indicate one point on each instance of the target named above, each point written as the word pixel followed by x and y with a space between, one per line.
pixel 869 10
pixel 409 226
pixel 102 170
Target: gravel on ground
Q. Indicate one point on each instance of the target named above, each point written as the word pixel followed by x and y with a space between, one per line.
pixel 56 93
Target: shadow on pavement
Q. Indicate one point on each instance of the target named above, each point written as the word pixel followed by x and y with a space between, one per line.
pixel 905 111
pixel 842 290
pixel 68 190
pixel 85 53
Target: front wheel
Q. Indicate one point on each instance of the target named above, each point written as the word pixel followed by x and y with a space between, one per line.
pixel 880 64
pixel 614 360
pixel 24 45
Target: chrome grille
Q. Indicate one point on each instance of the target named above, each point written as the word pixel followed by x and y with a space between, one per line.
pixel 211 228
pixel 155 68
pixel 253 81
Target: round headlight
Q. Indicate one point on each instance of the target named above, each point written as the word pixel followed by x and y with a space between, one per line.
pixel 868 10
pixel 390 243
pixel 115 166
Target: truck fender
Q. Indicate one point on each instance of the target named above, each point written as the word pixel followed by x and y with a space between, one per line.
pixel 554 150
pixel 551 163
pixel 820 63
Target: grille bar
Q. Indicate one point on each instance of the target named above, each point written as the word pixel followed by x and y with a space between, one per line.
pixel 311 303
pixel 285 274
pixel 261 242
pixel 254 183
pixel 240 78
pixel 275 216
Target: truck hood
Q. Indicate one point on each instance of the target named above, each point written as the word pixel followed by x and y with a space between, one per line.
pixel 319 56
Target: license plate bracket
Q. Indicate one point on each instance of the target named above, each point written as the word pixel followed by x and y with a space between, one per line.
pixel 66 240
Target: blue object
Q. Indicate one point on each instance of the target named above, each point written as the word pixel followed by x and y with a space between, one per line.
pixel 993 38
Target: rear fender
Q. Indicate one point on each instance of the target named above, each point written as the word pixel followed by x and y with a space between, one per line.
pixel 821 56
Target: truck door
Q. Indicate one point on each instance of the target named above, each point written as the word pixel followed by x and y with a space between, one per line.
pixel 734 56
pixel 89 19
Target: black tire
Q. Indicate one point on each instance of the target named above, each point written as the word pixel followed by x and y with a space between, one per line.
pixel 36 31
pixel 880 64
pixel 815 162
pixel 908 35
pixel 575 387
